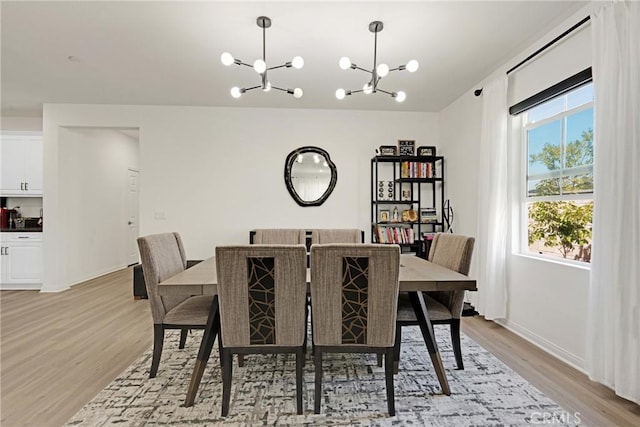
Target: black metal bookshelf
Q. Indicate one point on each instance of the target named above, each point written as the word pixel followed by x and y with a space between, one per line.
pixel 404 183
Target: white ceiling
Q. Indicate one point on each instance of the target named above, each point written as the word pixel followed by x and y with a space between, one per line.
pixel 168 53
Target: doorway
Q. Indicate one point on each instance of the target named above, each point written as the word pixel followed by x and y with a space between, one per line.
pixel 132 217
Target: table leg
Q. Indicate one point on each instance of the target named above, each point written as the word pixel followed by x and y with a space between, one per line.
pixel 420 308
pixel 209 336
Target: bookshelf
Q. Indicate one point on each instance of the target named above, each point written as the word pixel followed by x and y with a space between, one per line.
pixel 407 196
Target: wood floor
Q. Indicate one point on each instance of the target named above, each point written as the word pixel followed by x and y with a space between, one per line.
pixel 59 350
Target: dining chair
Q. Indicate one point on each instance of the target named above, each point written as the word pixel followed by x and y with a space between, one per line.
pixel 279 236
pixel 354 293
pixel 452 251
pixel 163 256
pixel 262 294
pixel 336 235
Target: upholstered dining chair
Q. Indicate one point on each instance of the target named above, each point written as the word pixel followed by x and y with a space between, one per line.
pixel 262 291
pixel 354 293
pixel 163 256
pixel 279 236
pixel 452 251
pixel 336 235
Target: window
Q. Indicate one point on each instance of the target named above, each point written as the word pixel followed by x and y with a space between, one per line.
pixel 558 199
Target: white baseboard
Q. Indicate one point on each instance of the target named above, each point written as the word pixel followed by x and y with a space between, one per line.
pixel 99 273
pixel 546 345
pixel 20 286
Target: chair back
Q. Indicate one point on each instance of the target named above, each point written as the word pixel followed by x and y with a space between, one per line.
pixel 336 235
pixel 279 236
pixel 452 251
pixel 262 292
pixel 162 256
pixel 354 294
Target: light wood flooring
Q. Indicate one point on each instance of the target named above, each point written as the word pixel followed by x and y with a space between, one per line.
pixel 59 350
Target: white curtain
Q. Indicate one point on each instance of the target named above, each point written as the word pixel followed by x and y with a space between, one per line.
pixel 613 342
pixel 491 242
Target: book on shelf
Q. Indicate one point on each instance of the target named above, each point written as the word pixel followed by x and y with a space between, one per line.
pixel 394 234
pixel 417 170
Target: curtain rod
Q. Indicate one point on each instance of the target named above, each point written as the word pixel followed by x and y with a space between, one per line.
pixel 478 92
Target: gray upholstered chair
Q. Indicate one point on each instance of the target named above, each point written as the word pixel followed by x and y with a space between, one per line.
pixel 279 236
pixel 454 252
pixel 336 235
pixel 354 293
pixel 262 293
pixel 163 256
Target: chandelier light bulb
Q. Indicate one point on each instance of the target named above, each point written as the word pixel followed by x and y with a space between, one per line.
pixel 236 92
pixel 297 62
pixel 260 66
pixel 297 93
pixel 412 66
pixel 367 88
pixel 226 58
pixel 382 70
pixel 345 63
pixel 340 93
pixel 401 96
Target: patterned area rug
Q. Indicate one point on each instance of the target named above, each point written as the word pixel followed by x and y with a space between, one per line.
pixel 486 393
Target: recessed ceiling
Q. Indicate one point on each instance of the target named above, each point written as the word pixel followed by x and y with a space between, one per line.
pixel 168 53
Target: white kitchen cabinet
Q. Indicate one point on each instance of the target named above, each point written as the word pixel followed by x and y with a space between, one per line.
pixel 21 162
pixel 21 260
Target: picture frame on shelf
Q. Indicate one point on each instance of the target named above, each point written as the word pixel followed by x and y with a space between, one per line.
pixel 426 150
pixel 388 150
pixel 406 147
pixel 384 216
pixel 428 215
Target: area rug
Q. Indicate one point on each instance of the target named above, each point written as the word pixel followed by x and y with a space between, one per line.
pixel 485 393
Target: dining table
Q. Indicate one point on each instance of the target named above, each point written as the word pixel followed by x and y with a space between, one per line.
pixel 416 274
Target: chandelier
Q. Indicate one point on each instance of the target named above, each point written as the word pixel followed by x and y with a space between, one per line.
pixel 260 66
pixel 378 72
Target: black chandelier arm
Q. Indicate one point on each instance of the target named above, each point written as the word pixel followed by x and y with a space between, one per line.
pixel 398 68
pixel 355 67
pixel 239 62
pixel 286 64
pixel 250 88
pixel 351 92
pixel 280 89
pixel 384 91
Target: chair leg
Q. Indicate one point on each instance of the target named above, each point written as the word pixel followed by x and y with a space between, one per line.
pixel 396 348
pixel 388 375
pixel 299 365
pixel 240 360
pixel 318 386
pixel 158 340
pixel 455 340
pixel 379 359
pixel 227 373
pixel 183 337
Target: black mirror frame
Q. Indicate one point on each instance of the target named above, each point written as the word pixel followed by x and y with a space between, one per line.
pixel 291 158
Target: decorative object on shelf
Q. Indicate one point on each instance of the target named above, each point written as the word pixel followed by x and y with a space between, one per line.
pixel 384 216
pixel 395 217
pixel 260 66
pixel 310 175
pixel 385 190
pixel 406 147
pixel 409 215
pixel 405 194
pixel 388 150
pixel 378 72
pixel 426 151
pixel 428 215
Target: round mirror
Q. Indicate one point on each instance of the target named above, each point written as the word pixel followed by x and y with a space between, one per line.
pixel 310 175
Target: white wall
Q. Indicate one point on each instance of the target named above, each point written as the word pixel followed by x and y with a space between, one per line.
pixel 92 195
pixel 547 301
pixel 216 173
pixel 32 124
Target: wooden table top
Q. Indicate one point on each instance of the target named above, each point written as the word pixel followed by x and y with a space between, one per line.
pixel 416 274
